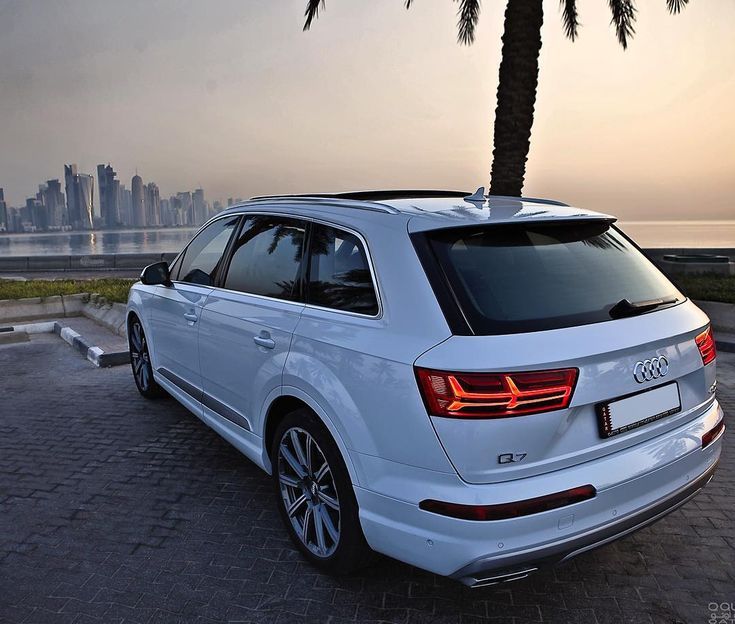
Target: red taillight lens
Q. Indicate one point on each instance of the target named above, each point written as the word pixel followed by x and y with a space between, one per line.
pixel 714 433
pixel 516 509
pixel 495 395
pixel 706 344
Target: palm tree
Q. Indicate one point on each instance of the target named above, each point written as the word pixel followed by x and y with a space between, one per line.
pixel 519 72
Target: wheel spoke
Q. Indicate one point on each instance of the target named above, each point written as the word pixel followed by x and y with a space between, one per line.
pixel 305 526
pixel 296 443
pixel 137 365
pixel 292 461
pixel 136 337
pixel 329 501
pixel 295 505
pixel 321 472
pixel 327 523
pixel 288 481
pixel 308 453
pixel 319 530
pixel 145 375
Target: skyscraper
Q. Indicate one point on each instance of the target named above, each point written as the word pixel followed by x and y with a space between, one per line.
pixel 184 206
pixel 152 204
pixel 53 199
pixel 138 209
pixel 79 198
pixel 109 189
pixel 37 213
pixel 199 207
pixel 70 175
pixel 126 206
pixel 4 211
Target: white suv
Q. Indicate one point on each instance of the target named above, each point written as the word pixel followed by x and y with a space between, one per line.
pixel 473 385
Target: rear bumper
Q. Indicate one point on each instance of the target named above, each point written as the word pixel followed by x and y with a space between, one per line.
pixel 635 487
pixel 492 570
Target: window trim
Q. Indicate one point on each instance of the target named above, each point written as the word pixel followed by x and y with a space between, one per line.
pixel 182 253
pixel 307 273
pixel 308 220
pixel 229 254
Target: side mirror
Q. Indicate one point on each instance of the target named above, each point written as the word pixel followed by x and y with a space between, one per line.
pixel 155 274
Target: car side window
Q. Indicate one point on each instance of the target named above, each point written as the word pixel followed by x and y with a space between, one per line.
pixel 339 274
pixel 204 254
pixel 266 257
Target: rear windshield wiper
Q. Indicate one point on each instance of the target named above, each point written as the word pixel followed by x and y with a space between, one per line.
pixel 625 308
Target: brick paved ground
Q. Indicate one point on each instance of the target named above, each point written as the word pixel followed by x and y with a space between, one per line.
pixel 114 509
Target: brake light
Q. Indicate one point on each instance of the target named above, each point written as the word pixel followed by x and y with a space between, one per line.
pixel 495 395
pixel 714 433
pixel 706 345
pixel 516 509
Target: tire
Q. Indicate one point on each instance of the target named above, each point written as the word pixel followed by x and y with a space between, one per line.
pixel 314 483
pixel 140 361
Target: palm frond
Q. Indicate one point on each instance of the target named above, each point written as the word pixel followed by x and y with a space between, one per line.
pixel 675 6
pixel 623 18
pixel 467 16
pixel 312 11
pixel 570 18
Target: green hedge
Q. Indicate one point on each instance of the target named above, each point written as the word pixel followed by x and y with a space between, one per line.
pixel 708 287
pixel 111 289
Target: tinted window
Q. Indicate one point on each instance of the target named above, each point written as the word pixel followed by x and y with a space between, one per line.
pixel 204 254
pixel 339 276
pixel 267 257
pixel 542 276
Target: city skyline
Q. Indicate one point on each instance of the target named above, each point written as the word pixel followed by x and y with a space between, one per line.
pixel 76 209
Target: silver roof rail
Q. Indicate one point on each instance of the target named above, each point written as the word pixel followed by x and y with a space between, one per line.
pixel 535 200
pixel 333 200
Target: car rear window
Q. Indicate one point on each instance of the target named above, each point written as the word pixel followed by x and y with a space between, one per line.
pixel 536 276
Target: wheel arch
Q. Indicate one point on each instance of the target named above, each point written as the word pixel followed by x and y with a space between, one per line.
pixel 292 399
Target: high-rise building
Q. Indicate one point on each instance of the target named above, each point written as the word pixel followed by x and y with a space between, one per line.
pixel 4 222
pixel 37 213
pixel 79 198
pixel 85 200
pixel 126 206
pixel 185 208
pixel 109 190
pixel 52 198
pixel 199 207
pixel 152 204
pixel 138 208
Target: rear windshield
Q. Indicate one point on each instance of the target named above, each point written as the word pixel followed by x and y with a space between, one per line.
pixel 536 276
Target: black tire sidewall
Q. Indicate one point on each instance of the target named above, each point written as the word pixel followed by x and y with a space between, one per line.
pixel 153 391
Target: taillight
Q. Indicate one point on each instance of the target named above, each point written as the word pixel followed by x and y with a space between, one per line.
pixel 515 509
pixel 495 395
pixel 714 433
pixel 706 345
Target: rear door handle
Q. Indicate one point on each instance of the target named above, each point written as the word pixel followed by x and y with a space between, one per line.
pixel 191 317
pixel 264 341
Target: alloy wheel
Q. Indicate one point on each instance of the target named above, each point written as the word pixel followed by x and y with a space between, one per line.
pixel 139 357
pixel 308 491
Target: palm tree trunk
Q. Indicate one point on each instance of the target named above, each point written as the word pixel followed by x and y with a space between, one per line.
pixel 516 95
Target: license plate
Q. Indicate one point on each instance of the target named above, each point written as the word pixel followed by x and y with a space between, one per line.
pixel 638 409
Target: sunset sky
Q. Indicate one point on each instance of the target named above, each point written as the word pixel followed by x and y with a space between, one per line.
pixel 232 96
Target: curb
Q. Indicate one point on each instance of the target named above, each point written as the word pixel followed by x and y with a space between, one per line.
pixel 92 352
pixel 98 357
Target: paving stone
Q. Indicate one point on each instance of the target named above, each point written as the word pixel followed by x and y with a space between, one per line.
pixel 117 509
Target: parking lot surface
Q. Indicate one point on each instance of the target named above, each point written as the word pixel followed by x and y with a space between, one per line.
pixel 117 509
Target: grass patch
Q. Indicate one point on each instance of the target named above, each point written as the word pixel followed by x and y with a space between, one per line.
pixel 110 289
pixel 708 287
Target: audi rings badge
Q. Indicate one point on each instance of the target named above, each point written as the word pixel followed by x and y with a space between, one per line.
pixel 648 370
